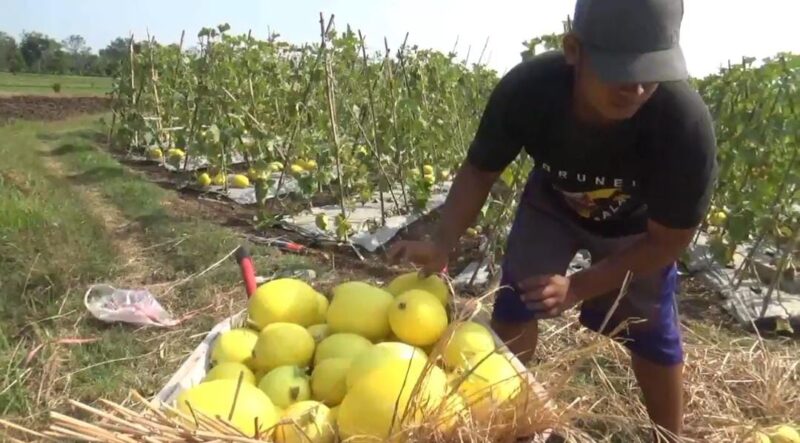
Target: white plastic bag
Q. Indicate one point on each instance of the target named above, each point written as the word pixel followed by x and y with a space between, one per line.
pixel 136 306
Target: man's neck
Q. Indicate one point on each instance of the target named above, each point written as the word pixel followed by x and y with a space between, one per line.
pixel 586 114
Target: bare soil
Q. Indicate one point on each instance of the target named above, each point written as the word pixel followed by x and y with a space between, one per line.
pixel 33 107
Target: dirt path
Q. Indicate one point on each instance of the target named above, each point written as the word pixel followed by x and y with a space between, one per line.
pixel 135 265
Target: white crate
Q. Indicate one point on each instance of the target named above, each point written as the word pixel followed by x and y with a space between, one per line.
pixel 193 369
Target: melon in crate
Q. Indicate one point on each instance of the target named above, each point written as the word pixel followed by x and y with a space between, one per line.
pixel 412 280
pixel 306 422
pixel 281 344
pixel 235 345
pixel 360 308
pixel 284 300
pixel 342 345
pixel 250 409
pixel 231 371
pixel 286 385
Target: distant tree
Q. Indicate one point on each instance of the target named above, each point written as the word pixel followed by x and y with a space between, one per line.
pixel 114 54
pixel 15 62
pixel 33 46
pixel 8 52
pixel 94 65
pixel 75 46
pixel 55 61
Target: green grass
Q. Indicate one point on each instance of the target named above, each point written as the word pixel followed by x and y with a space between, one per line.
pixel 53 245
pixel 42 84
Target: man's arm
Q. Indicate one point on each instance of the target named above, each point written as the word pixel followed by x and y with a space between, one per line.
pixel 659 247
pixel 470 189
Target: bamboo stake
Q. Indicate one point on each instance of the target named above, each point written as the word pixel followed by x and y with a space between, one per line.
pixel 154 85
pixel 376 146
pixel 331 93
pixel 398 150
pixel 133 87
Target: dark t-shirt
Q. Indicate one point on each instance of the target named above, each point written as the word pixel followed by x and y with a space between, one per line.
pixel 660 164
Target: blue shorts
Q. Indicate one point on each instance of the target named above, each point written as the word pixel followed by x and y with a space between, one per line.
pixel 544 241
pixel 657 340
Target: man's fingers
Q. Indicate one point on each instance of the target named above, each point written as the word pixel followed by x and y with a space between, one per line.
pixel 543 305
pixel 540 293
pixel 534 282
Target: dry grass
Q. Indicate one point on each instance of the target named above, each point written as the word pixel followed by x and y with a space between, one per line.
pixel 733 386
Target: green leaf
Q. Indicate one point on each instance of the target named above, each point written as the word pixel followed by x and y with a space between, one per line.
pixel 739 225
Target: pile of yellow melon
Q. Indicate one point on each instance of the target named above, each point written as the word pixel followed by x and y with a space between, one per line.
pixel 778 434
pixel 369 363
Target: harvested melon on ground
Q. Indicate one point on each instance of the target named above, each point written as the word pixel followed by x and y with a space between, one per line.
pixel 306 422
pixel 155 153
pixel 785 434
pixel 328 381
pixel 283 300
pixel 240 181
pixel 417 317
pixel 467 340
pixel 433 284
pixel 231 371
pixel 175 156
pixel 759 437
pixel 235 345
pixel 286 385
pixel 219 180
pixel 360 308
pixel 204 179
pixel 342 345
pixel 252 409
pixel 283 344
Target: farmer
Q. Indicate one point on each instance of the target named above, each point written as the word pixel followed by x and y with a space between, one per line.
pixel 624 154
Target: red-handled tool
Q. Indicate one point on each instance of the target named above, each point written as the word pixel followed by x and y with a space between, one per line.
pixel 289 246
pixel 248 270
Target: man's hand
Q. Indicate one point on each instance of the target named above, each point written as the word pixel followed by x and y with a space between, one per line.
pixel 427 254
pixel 464 202
pixel 548 295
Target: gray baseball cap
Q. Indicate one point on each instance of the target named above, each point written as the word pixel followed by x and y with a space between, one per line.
pixel 632 41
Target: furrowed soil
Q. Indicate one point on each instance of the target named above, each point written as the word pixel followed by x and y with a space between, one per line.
pixel 32 107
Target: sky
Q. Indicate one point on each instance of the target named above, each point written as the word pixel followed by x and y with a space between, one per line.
pixel 713 31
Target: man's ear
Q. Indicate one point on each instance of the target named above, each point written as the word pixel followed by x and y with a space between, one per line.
pixel 572 48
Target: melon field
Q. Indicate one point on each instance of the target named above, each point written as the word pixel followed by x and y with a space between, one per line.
pixel 318 157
